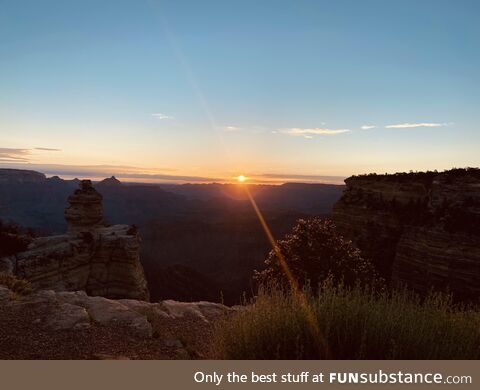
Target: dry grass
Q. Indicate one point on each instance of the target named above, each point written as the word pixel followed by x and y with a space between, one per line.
pixel 19 287
pixel 355 324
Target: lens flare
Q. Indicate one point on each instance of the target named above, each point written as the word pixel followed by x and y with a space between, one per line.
pixel 241 178
pixel 304 304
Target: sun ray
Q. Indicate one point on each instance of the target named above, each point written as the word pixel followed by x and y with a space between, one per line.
pixel 297 291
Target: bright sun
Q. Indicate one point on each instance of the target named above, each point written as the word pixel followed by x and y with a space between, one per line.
pixel 241 178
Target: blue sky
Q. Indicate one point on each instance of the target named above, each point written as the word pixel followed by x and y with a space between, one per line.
pixel 212 89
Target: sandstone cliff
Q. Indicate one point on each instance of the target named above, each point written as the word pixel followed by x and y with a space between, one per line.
pixel 98 259
pixel 420 229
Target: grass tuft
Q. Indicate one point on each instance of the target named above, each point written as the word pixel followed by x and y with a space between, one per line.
pixel 19 287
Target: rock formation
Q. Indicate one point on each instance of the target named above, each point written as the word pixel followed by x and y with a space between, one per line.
pixel 420 229
pixel 85 211
pixel 98 259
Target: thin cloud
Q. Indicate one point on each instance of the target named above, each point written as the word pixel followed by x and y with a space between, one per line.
pixel 230 129
pixel 160 115
pixel 49 149
pixel 310 133
pixel 368 127
pixel 409 125
pixel 296 178
pixel 14 155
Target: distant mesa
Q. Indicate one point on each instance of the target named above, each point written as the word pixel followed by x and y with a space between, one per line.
pixel 55 179
pixel 110 182
pixel 18 176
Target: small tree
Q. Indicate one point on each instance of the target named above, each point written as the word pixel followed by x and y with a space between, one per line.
pixel 313 252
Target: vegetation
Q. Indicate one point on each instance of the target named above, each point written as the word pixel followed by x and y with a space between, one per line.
pixel 314 251
pixel 18 286
pixel 13 239
pixel 421 176
pixel 353 323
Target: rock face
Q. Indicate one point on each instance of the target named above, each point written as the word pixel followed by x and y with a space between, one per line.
pixel 98 259
pixel 420 229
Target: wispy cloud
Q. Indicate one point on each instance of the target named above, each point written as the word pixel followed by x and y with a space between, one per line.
pixel 310 133
pixel 14 155
pixel 49 149
pixel 409 125
pixel 277 178
pixel 368 127
pixel 230 129
pixel 160 115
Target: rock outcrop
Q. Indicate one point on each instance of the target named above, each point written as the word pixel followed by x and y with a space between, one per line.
pixel 98 259
pixel 420 229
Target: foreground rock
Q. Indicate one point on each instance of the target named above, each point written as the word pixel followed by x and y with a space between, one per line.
pixel 420 229
pixel 71 310
pixel 101 260
pixel 70 322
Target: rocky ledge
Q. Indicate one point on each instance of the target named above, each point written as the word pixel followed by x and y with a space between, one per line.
pixel 74 325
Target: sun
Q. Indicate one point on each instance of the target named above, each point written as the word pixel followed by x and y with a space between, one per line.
pixel 241 178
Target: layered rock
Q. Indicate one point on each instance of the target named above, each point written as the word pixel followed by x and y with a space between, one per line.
pixel 98 259
pixel 420 229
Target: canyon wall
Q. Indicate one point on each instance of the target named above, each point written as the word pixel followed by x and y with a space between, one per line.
pixel 419 229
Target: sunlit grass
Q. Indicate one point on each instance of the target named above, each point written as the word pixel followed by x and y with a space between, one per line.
pixel 356 323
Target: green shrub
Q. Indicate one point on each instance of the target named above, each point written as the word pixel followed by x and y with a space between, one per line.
pixel 354 323
pixel 313 252
pixel 18 286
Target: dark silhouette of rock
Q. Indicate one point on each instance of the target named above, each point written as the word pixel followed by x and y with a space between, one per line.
pixel 19 176
pixel 111 181
pixel 85 210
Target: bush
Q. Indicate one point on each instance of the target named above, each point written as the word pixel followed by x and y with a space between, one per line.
pixel 18 286
pixel 315 251
pixel 355 323
pixel 12 239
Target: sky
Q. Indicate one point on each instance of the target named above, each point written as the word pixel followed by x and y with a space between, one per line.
pixel 199 91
